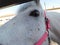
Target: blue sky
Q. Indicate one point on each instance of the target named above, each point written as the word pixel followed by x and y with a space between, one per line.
pixel 48 3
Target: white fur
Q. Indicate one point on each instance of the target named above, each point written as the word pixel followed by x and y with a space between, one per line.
pixel 23 29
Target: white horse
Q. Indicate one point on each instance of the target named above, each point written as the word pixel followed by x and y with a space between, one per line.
pixel 55 26
pixel 26 28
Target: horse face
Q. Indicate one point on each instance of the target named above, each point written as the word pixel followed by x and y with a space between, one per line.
pixel 26 28
pixel 32 21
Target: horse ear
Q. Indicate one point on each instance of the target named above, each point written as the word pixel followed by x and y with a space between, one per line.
pixel 37 2
pixel 4 3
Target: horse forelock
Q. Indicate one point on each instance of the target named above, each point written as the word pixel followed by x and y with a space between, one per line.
pixel 27 5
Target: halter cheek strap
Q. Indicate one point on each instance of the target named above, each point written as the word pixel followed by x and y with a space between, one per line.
pixel 47 21
pixel 42 39
pixel 45 35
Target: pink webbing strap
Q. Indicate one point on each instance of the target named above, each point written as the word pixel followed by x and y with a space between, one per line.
pixel 42 39
pixel 45 35
pixel 47 22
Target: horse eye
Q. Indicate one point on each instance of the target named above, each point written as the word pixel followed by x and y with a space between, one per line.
pixel 34 13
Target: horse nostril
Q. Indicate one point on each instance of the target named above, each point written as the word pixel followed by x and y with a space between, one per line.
pixel 34 13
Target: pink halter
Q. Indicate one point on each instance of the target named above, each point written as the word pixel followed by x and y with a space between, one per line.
pixel 45 35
